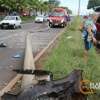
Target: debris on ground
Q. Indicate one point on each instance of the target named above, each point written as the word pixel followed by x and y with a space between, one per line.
pixel 69 37
pixel 63 89
pixel 3 45
pixel 18 55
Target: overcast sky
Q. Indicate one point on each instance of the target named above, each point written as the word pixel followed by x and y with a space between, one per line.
pixel 73 5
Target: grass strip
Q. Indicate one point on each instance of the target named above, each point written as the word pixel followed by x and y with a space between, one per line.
pixel 68 55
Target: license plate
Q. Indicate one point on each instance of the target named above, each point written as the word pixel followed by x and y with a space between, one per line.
pixel 56 23
pixel 5 25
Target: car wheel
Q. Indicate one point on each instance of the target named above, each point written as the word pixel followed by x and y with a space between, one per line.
pixel 14 27
pixel 63 25
pixel 20 26
pixel 2 27
pixel 50 25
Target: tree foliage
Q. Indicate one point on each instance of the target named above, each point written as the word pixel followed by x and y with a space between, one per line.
pixel 19 4
pixel 93 3
pixel 38 5
pixel 68 10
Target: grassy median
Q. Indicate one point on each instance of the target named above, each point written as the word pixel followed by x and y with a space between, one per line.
pixel 68 55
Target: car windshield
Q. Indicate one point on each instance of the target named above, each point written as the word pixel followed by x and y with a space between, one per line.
pixel 9 18
pixel 57 14
pixel 40 16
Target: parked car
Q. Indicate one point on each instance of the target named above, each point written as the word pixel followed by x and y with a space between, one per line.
pixel 11 22
pixel 13 13
pixel 46 18
pixel 39 19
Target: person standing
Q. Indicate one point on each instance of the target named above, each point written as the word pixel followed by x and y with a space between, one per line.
pixel 88 33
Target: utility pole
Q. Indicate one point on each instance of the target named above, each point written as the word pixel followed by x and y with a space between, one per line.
pixel 79 2
pixel 29 64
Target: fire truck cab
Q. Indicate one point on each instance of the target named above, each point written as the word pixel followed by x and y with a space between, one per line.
pixel 58 17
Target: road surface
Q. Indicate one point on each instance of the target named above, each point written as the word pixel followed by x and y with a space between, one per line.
pixel 15 41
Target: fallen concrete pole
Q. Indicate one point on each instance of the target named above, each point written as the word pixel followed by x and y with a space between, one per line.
pixel 28 64
pixel 64 89
pixel 37 57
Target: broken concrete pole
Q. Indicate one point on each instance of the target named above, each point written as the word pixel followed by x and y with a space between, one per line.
pixel 28 64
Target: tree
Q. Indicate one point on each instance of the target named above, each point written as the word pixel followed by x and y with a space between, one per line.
pixel 54 1
pixel 12 4
pixel 93 3
pixel 68 10
pixel 53 4
pixel 17 4
pixel 44 7
pixel 37 5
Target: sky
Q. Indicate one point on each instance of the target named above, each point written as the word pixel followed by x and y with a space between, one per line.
pixel 73 5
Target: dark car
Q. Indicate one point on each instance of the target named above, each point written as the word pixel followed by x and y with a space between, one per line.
pixel 98 32
pixel 97 9
pixel 98 24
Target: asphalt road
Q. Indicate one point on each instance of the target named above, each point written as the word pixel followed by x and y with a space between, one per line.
pixel 15 41
pixel 41 35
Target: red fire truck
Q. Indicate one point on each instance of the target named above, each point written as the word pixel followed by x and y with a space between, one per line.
pixel 59 17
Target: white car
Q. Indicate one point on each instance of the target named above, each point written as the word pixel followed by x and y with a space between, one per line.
pixel 39 19
pixel 46 18
pixel 11 22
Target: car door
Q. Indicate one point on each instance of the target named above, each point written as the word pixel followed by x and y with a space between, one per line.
pixel 98 29
pixel 18 21
pixel 98 24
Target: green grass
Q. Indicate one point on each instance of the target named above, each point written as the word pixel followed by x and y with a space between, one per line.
pixel 68 55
